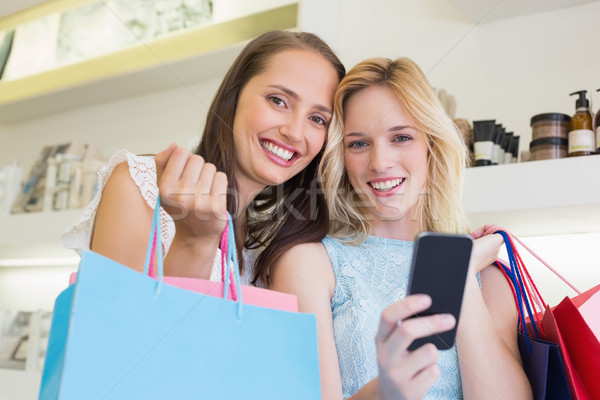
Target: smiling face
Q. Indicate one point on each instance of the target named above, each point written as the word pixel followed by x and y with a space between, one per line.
pixel 281 118
pixel 385 158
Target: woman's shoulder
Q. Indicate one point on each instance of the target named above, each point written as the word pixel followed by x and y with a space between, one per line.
pixel 122 169
pixel 304 258
pixel 305 251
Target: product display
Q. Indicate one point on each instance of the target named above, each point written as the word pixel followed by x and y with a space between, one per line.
pixel 582 140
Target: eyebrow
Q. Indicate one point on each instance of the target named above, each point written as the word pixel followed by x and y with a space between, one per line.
pixel 355 134
pixel 392 129
pixel 400 128
pixel 295 96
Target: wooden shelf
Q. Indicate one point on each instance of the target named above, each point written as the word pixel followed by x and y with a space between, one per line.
pixel 536 198
pixel 174 61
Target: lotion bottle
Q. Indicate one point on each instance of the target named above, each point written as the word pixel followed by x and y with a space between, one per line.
pixel 581 136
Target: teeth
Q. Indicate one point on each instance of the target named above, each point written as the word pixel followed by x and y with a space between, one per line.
pixel 386 185
pixel 278 151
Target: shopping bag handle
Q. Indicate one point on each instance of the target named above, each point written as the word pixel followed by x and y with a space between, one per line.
pixel 150 262
pixel 524 290
pixel 491 229
pixel 520 283
pixel 154 256
pixel 229 262
pixel 230 266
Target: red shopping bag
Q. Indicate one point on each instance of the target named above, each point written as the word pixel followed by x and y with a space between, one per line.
pixel 581 344
pixel 563 325
pixel 552 333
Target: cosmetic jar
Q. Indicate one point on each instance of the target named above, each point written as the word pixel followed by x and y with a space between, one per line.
pixel 550 125
pixel 548 148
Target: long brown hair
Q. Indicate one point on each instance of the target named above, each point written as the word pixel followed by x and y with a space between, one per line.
pixel 280 216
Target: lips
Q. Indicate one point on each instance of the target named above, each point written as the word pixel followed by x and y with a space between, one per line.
pixel 278 152
pixel 386 185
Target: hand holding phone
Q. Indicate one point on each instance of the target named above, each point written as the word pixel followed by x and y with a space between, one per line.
pixel 439 268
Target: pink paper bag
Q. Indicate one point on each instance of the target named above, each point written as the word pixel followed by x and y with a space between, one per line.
pixel 251 295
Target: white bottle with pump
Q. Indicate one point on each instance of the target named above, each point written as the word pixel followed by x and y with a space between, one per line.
pixel 582 139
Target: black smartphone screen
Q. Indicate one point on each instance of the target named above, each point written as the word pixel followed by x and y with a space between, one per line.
pixel 439 268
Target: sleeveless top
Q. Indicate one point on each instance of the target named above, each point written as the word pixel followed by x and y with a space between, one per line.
pixel 368 278
pixel 143 173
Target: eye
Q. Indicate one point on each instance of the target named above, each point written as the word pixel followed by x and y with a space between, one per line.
pixel 357 144
pixel 277 101
pixel 318 120
pixel 402 138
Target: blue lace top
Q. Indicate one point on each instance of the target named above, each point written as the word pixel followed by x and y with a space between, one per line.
pixel 370 277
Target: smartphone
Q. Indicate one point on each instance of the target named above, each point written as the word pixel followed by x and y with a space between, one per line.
pixel 439 268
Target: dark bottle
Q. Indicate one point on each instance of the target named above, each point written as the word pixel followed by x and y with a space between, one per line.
pixel 597 128
pixel 582 140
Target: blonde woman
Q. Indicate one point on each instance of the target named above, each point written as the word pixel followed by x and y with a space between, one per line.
pixel 393 167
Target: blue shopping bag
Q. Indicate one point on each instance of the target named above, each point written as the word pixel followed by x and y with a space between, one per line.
pixel 120 334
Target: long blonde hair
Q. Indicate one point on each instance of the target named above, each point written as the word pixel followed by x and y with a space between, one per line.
pixel 440 209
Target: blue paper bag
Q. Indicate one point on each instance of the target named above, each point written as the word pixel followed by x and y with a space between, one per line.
pixel 119 334
pixel 544 367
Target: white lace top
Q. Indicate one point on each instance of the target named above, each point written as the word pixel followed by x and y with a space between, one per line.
pixel 143 173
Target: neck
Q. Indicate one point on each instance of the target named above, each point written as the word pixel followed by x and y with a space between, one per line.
pixel 404 228
pixel 246 193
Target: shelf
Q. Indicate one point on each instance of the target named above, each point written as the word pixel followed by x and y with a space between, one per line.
pixel 36 236
pixel 537 198
pixel 23 385
pixel 174 61
pixel 492 10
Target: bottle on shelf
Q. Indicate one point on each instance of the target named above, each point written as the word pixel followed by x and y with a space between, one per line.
pixel 581 136
pixel 597 127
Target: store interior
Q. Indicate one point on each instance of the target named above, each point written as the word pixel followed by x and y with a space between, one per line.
pixel 502 60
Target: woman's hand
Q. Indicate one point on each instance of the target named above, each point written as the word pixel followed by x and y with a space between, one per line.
pixel 485 249
pixel 405 374
pixel 192 192
pixel 195 196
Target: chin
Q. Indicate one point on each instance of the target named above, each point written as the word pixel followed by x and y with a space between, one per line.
pixel 389 213
pixel 273 180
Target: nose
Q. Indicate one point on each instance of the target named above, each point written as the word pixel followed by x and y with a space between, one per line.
pixel 292 128
pixel 380 157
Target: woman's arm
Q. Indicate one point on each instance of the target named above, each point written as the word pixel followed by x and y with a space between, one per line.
pixel 123 221
pixel 490 364
pixel 195 196
pixel 305 271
